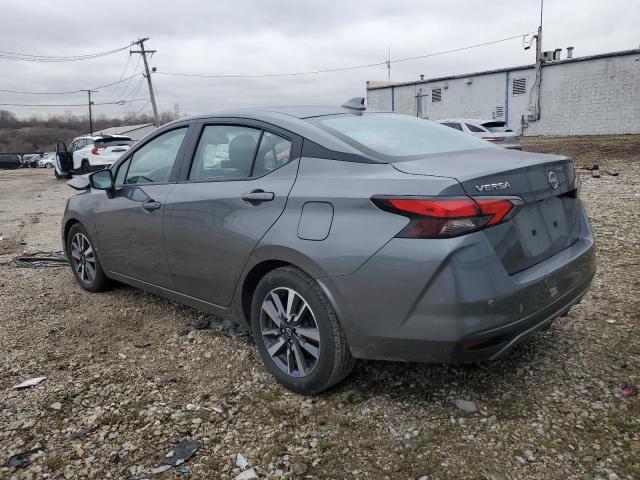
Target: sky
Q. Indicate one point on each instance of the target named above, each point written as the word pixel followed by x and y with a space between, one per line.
pixel 252 37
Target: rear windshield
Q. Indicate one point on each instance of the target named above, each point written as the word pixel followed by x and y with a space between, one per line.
pixel 495 127
pixel 112 142
pixel 396 135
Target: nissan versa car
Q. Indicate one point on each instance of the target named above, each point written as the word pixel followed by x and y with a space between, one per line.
pixel 337 234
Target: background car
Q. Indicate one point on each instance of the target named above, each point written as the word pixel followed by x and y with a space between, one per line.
pixel 493 131
pixel 31 160
pixel 9 161
pixel 335 234
pixel 48 160
pixel 89 153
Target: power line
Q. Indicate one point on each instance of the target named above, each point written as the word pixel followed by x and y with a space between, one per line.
pixel 116 87
pixel 71 91
pixel 119 102
pixel 137 113
pixel 27 57
pixel 131 94
pixel 135 69
pixel 342 69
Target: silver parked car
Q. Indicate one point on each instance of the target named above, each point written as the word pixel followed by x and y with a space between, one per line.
pixel 336 234
pixel 494 131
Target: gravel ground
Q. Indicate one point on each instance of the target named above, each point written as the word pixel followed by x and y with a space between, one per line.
pixel 129 377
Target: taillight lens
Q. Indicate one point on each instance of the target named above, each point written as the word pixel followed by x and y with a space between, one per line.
pixel 96 150
pixel 448 216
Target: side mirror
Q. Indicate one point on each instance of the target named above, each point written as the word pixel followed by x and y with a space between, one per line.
pixel 102 180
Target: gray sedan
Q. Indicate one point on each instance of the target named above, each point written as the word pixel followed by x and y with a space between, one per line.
pixel 337 234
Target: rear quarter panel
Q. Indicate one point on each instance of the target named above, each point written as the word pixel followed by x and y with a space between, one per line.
pixel 358 228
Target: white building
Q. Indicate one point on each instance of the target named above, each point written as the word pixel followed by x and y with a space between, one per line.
pixel 598 94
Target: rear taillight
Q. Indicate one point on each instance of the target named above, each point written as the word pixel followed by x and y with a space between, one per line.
pixel 96 150
pixel 448 216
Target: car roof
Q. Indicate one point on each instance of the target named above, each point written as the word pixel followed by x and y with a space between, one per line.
pixel 296 111
pixel 294 119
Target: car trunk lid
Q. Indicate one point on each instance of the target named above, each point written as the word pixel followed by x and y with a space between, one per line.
pixel 545 225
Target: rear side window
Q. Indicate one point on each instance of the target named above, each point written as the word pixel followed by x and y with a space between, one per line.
pixel 273 153
pixel 153 162
pixel 225 152
pixel 495 127
pixel 395 135
pixel 457 126
pixel 473 128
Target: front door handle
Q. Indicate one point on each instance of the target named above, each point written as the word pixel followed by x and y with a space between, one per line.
pixel 258 196
pixel 151 205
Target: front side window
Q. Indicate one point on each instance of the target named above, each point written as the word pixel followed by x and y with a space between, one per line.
pixel 395 135
pixel 225 152
pixel 122 173
pixel 153 162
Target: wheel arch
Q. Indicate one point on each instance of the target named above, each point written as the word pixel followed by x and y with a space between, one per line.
pixel 265 260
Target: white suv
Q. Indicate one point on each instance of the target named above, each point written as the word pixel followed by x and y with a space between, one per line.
pixel 95 152
pixel 494 131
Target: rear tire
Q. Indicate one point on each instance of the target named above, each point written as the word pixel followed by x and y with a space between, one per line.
pixel 300 340
pixel 85 166
pixel 84 261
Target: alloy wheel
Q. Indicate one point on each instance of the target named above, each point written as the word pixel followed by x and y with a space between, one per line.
pixel 290 332
pixel 83 259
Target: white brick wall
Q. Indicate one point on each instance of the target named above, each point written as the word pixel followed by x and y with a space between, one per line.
pixel 595 96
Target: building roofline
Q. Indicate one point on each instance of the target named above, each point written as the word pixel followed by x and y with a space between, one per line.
pixel 634 51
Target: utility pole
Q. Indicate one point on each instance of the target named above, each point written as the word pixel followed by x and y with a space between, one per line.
pixel 147 75
pixel 89 92
pixel 538 69
pixel 388 62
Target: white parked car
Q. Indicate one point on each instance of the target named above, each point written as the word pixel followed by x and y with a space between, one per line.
pixel 89 153
pixel 48 160
pixel 494 131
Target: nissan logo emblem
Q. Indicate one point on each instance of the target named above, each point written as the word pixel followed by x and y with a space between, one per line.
pixel 553 180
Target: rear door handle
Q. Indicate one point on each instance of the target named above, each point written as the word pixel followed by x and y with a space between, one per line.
pixel 258 196
pixel 151 205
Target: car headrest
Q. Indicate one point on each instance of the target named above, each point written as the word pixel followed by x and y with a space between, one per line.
pixel 241 150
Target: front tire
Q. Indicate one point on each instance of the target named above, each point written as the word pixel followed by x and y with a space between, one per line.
pixel 84 262
pixel 297 332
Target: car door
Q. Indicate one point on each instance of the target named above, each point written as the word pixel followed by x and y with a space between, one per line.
pixel 129 219
pixel 78 150
pixel 232 191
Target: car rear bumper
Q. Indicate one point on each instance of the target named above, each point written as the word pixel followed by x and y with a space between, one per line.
pixel 451 301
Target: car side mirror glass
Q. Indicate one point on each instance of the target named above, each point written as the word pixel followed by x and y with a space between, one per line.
pixel 102 180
